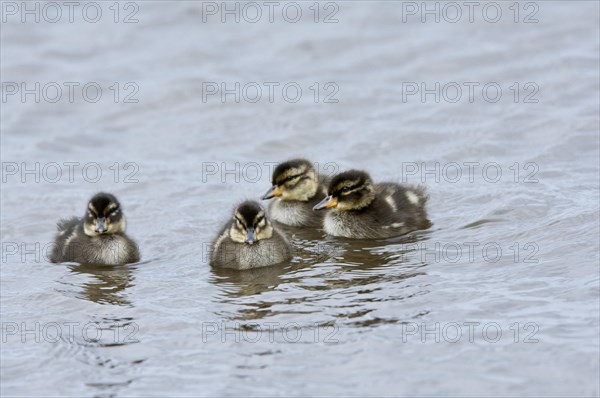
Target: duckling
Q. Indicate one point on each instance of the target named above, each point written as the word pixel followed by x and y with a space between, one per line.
pixel 249 240
pixel 297 189
pixel 363 210
pixel 97 238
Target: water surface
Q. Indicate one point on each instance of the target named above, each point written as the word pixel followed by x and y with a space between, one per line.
pixel 500 297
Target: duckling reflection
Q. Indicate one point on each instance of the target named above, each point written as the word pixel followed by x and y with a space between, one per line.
pixel 365 254
pixel 106 285
pixel 363 268
pixel 254 293
pixel 252 282
pixel 363 210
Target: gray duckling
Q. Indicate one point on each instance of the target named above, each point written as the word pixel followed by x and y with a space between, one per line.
pixel 297 189
pixel 363 210
pixel 97 238
pixel 249 240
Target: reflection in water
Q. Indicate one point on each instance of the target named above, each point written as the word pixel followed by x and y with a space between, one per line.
pixel 107 285
pixel 250 282
pixel 323 270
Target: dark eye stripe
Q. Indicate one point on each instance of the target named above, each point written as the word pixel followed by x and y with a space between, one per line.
pixel 347 188
pixel 298 181
pixel 289 178
pixel 240 221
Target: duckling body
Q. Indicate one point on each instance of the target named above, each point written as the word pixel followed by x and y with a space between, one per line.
pixel 297 213
pixel 297 189
pixel 97 238
pixel 249 240
pixel 363 210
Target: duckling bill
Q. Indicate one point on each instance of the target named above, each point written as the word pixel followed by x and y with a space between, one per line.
pixel 97 238
pixel 297 189
pixel 249 240
pixel 363 210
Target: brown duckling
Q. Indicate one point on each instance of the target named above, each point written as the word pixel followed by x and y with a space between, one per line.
pixel 297 189
pixel 97 238
pixel 363 210
pixel 249 240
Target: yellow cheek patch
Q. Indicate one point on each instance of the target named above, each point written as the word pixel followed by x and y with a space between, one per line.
pixel 236 235
pixel 277 192
pixel 333 202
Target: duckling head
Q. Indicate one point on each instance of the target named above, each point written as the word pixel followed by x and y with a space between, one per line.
pixel 250 224
pixel 350 190
pixel 103 216
pixel 293 180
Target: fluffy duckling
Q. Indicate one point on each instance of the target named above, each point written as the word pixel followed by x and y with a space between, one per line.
pixel 297 189
pixel 98 238
pixel 363 210
pixel 249 240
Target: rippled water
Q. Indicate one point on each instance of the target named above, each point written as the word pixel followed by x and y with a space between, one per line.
pixel 499 297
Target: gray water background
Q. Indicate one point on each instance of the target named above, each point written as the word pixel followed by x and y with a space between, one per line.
pixel 344 317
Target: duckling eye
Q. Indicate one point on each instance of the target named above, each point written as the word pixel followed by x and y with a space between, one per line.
pixel 345 189
pixel 290 178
